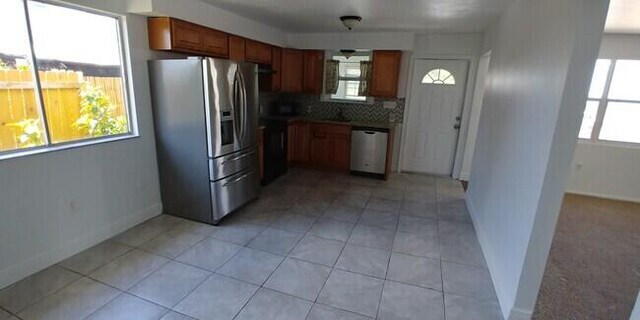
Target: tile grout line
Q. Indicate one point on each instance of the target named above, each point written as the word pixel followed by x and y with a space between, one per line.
pixel 270 274
pixel 9 313
pixel 68 284
pixel 332 268
pixel 389 261
pixel 444 307
pixel 286 256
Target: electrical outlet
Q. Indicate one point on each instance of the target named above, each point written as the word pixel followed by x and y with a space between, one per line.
pixel 389 104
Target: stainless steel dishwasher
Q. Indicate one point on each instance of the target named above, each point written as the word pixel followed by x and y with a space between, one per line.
pixel 369 151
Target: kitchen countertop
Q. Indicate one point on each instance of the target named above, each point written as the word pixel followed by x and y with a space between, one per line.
pixel 289 119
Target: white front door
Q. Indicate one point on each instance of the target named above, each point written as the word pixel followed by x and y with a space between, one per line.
pixel 434 116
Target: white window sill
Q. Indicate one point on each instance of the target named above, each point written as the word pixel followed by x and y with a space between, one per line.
pixel 605 143
pixel 326 98
pixel 65 146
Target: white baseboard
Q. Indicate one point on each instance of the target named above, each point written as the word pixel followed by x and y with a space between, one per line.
pixel 520 314
pixel 603 196
pixel 62 251
pixel 511 312
pixel 488 255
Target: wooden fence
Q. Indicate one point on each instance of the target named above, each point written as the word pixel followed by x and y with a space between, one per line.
pixel 61 98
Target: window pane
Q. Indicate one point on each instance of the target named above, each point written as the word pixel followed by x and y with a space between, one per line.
pixel 80 67
pixel 439 76
pixel 349 71
pixel 348 90
pixel 625 84
pixel 621 122
pixel 589 119
pixel 352 88
pixel 20 117
pixel 599 78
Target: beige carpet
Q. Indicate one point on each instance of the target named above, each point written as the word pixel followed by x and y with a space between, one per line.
pixel 593 271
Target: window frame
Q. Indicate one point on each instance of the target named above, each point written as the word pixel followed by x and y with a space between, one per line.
pixel 603 103
pixel 127 88
pixel 329 54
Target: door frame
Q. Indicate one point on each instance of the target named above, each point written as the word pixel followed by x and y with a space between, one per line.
pixel 466 106
pixel 475 111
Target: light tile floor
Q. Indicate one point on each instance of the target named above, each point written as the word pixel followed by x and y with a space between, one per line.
pixel 316 245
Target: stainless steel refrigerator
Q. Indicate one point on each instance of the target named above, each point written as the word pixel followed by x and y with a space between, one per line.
pixel 205 113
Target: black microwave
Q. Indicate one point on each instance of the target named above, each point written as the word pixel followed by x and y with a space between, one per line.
pixel 288 110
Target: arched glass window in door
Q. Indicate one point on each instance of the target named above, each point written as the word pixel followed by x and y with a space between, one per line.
pixel 439 76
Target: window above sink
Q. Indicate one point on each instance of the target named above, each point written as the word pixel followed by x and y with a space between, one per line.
pixel 344 77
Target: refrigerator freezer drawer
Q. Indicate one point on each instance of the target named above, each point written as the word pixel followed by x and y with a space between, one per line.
pixel 232 163
pixel 368 150
pixel 231 193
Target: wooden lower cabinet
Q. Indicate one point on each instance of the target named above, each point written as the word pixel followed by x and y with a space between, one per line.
pixel 298 143
pixel 330 146
pixel 319 147
pixel 339 151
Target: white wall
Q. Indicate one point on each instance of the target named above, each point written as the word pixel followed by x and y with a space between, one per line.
pixel 352 40
pixel 458 44
pixel 543 52
pixel 635 313
pixel 603 169
pixel 56 204
pixel 207 15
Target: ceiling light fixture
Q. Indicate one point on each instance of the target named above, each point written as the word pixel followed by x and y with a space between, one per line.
pixel 350 21
pixel 347 53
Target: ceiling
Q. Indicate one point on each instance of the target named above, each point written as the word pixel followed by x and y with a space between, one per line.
pixel 623 17
pixel 304 16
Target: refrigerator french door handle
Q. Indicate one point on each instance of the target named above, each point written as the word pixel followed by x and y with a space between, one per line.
pixel 237 125
pixel 243 106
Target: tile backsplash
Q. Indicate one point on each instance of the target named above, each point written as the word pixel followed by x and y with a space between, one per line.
pixel 353 111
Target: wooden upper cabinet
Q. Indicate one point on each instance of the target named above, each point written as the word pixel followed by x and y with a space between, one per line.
pixel 257 52
pixel 216 43
pixel 236 48
pixel 276 66
pixel 313 70
pixel 292 63
pixel 181 36
pixel 186 35
pixel 385 72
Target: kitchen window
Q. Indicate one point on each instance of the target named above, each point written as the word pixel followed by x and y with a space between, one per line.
pixel 350 77
pixel 612 112
pixel 63 79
